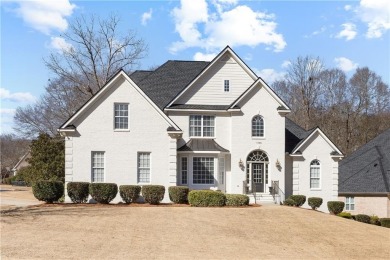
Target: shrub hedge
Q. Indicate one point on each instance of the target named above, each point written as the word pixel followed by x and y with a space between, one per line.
pixel 153 194
pixel 363 218
pixel 385 222
pixel 129 193
pixel 178 194
pixel 48 191
pixel 103 192
pixel 299 200
pixel 345 215
pixel 314 202
pixel 78 191
pixel 374 220
pixel 289 202
pixel 237 200
pixel 206 198
pixel 335 207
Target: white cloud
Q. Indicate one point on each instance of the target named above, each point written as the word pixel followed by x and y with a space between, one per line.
pixel 45 16
pixel 239 26
pixel 270 75
pixel 19 97
pixel 7 111
pixel 204 56
pixel 347 7
pixel 60 44
pixel 286 64
pixel 349 31
pixel 345 64
pixel 317 32
pixel 376 14
pixel 146 17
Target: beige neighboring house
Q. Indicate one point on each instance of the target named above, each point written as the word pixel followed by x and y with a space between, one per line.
pixel 364 178
pixel 21 164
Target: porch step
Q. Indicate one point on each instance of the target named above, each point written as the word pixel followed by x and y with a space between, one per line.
pixel 261 198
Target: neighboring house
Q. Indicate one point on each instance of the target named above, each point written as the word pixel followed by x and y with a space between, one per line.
pixel 206 125
pixel 364 176
pixel 23 162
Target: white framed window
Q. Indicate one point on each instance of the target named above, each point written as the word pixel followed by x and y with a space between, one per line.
pixel 202 126
pixel 144 167
pixel 226 85
pixel 221 177
pixel 257 126
pixel 315 168
pixel 184 170
pixel 121 116
pixel 97 162
pixel 203 170
pixel 349 203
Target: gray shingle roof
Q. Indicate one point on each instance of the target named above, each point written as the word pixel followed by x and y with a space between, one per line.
pixel 208 145
pixel 139 75
pixel 201 107
pixel 367 170
pixel 295 135
pixel 168 80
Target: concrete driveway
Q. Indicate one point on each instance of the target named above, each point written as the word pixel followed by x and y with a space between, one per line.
pixel 16 196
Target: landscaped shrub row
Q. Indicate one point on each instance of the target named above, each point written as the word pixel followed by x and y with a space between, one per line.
pixel 314 202
pixel 48 191
pixel 299 200
pixel 153 194
pixel 385 222
pixel 129 193
pixel 178 194
pixel 363 218
pixel 237 200
pixel 103 192
pixel 78 191
pixel 335 207
pixel 206 198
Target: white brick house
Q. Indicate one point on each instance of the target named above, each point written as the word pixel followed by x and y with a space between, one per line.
pixel 207 125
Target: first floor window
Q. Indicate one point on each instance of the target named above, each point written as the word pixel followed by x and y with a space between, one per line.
pixel 350 203
pixel 315 174
pixel 144 167
pixel 184 170
pixel 221 177
pixel 121 116
pixel 203 170
pixel 97 166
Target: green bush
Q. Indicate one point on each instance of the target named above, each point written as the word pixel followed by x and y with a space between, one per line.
pixel 103 192
pixel 7 180
pixel 385 222
pixel 314 202
pixel 178 194
pixel 153 194
pixel 206 198
pixel 374 220
pixel 335 207
pixel 345 215
pixel 237 200
pixel 78 191
pixel 299 200
pixel 363 218
pixel 289 202
pixel 48 191
pixel 129 193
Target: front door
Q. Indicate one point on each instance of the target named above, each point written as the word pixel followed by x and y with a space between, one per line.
pixel 258 177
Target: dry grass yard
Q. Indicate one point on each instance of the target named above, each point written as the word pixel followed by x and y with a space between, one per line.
pixel 122 232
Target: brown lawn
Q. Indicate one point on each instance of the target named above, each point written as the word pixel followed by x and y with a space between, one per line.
pixel 112 232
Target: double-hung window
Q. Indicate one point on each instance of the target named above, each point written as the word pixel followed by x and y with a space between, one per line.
pixel 144 167
pixel 202 126
pixel 203 170
pixel 121 116
pixel 315 174
pixel 97 166
pixel 257 126
pixel 349 203
pixel 184 170
pixel 226 85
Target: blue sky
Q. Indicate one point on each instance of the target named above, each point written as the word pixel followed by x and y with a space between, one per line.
pixel 265 34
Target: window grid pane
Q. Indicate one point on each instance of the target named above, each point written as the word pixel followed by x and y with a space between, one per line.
pixel 143 167
pixel 202 126
pixel 121 116
pixel 184 170
pixel 350 203
pixel 203 170
pixel 97 166
pixel 258 126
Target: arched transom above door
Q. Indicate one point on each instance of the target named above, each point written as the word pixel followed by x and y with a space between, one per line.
pixel 257 156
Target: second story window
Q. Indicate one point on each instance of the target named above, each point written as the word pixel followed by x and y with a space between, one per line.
pixel 226 86
pixel 257 126
pixel 121 116
pixel 202 126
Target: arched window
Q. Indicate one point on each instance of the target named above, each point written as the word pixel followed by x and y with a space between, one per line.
pixel 315 174
pixel 257 126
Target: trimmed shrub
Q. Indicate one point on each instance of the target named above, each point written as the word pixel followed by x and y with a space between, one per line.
pixel 48 191
pixel 7 181
pixel 385 222
pixel 153 194
pixel 345 215
pixel 103 192
pixel 129 193
pixel 178 194
pixel 299 200
pixel 78 191
pixel 335 207
pixel 374 220
pixel 289 202
pixel 206 198
pixel 363 218
pixel 314 202
pixel 237 200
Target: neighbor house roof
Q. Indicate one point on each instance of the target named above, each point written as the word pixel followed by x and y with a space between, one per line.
pixel 202 145
pixel 367 170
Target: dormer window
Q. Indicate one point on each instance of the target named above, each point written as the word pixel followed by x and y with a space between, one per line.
pixel 202 126
pixel 226 86
pixel 121 116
